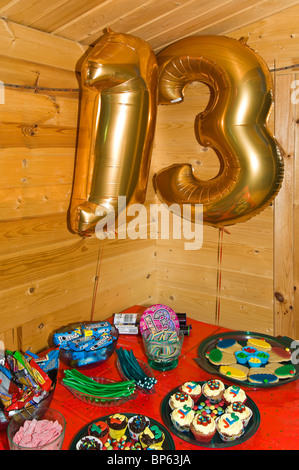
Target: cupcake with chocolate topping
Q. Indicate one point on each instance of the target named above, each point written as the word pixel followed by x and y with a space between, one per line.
pixel 152 435
pixel 89 443
pixel 117 424
pixel 136 425
pixel 179 399
pixel 100 430
pixel 213 390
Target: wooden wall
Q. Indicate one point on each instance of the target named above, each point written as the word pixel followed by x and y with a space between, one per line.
pixel 50 277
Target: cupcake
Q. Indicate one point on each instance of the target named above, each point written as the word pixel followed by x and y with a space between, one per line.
pixel 100 430
pixel 182 417
pixel 179 399
pixel 152 435
pixel 136 425
pixel 89 443
pixel 234 393
pixel 213 390
pixel 193 389
pixel 240 410
pixel 203 428
pixel 229 427
pixel 117 424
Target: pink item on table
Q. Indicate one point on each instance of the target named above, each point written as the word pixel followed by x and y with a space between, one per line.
pixel 37 433
pixel 159 317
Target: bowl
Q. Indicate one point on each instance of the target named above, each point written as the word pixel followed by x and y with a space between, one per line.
pixel 163 351
pixel 18 422
pixel 101 401
pixel 34 411
pixel 88 359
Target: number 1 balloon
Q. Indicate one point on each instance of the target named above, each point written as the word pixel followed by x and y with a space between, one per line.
pixel 116 130
pixel 234 124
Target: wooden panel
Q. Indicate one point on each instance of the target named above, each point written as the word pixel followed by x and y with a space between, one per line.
pixel 284 213
pixel 160 22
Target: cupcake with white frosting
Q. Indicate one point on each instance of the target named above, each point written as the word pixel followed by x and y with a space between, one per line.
pixel 182 418
pixel 233 394
pixel 180 399
pixel 193 389
pixel 213 390
pixel 229 427
pixel 203 428
pixel 240 410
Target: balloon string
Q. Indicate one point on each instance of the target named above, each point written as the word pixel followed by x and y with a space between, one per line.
pixel 219 266
pixel 97 277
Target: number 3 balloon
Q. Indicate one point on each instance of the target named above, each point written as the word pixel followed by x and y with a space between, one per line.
pixel 117 122
pixel 234 124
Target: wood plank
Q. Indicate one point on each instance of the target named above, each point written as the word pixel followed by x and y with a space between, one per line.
pixel 275 38
pixel 21 42
pixel 93 22
pixel 32 300
pixel 32 201
pixel 37 136
pixel 42 262
pixel 235 314
pixel 21 168
pixel 22 72
pixel 28 108
pixel 215 20
pixel 284 213
pixel 22 235
pixel 244 316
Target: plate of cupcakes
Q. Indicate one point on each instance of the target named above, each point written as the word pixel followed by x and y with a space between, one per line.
pixel 210 414
pixel 250 359
pixel 123 431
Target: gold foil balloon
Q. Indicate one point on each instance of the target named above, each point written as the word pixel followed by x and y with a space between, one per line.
pixel 234 124
pixel 116 130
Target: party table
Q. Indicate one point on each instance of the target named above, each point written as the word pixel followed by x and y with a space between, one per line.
pixel 278 406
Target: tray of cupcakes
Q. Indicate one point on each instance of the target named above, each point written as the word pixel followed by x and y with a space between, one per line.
pixel 123 431
pixel 210 414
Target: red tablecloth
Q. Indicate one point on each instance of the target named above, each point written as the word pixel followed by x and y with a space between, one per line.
pixel 279 406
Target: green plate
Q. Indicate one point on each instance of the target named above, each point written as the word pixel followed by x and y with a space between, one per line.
pixel 168 443
pixel 242 337
pixel 216 441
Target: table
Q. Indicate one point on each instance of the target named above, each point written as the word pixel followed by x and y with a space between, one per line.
pixel 279 406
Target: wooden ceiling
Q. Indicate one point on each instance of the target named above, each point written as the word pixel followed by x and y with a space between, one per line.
pixel 159 22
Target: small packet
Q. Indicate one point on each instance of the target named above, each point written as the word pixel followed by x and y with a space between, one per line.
pixel 62 339
pixel 50 361
pixel 40 376
pixel 82 344
pixel 96 329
